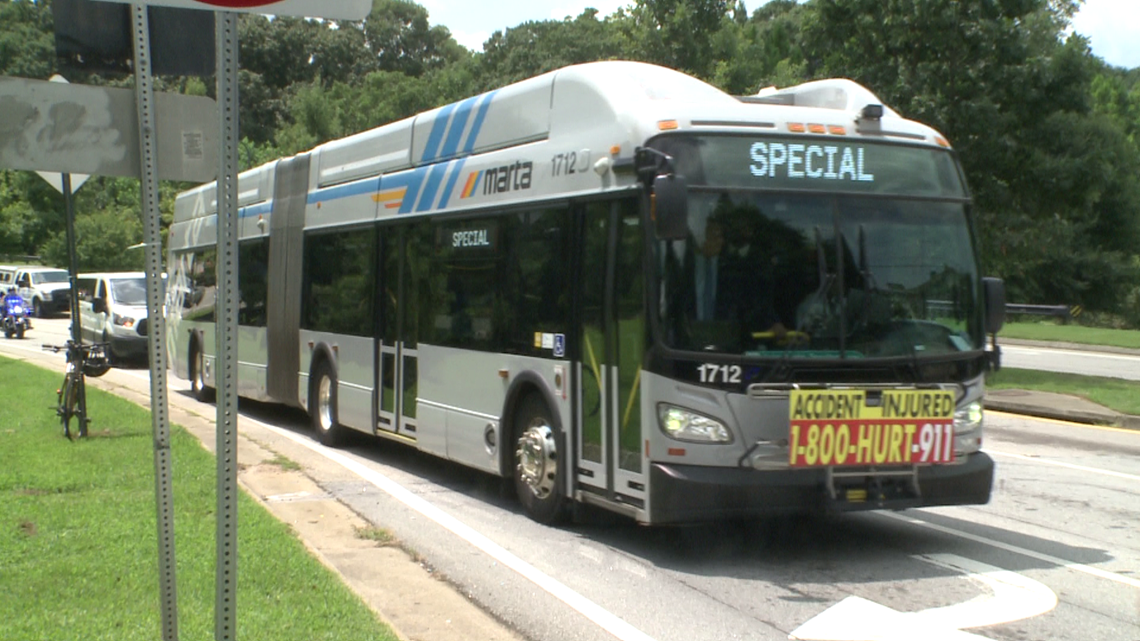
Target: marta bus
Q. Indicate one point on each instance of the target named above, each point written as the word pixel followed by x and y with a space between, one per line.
pixel 622 287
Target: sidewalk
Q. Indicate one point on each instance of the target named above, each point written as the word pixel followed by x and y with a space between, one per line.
pixel 1057 406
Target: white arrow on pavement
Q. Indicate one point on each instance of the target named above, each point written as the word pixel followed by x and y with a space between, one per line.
pixel 1013 597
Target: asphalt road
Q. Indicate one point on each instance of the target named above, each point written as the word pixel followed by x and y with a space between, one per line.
pixel 1055 555
pixel 1071 361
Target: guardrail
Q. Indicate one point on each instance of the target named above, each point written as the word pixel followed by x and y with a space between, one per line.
pixel 1064 312
pixel 21 259
pixel 1058 311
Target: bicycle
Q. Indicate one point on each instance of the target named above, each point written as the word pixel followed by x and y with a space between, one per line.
pixel 82 360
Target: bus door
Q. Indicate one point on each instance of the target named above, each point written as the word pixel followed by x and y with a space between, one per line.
pixel 404 255
pixel 611 341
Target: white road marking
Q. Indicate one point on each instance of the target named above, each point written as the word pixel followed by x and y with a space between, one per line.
pixel 592 611
pixel 1071 466
pixel 1048 558
pixel 858 619
pixel 1014 597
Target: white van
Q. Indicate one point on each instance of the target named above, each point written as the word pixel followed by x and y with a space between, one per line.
pixel 112 309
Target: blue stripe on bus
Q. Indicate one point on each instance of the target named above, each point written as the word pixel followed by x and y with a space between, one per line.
pixel 456 170
pixel 435 177
pixel 449 136
pixel 479 117
pixel 255 210
pixel 458 124
pixel 438 128
pixel 358 188
pixel 411 180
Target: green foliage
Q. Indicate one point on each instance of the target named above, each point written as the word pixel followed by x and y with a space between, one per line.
pixel 677 33
pixel 1071 332
pixel 27 42
pixel 103 239
pixel 400 38
pixel 533 48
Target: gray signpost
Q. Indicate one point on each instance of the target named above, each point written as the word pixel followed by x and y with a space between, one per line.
pixel 65 129
pixel 226 316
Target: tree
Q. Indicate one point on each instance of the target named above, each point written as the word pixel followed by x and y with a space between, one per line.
pixel 319 115
pixel 761 50
pixel 998 78
pixel 676 33
pixel 533 48
pixel 27 42
pixel 102 242
pixel 400 38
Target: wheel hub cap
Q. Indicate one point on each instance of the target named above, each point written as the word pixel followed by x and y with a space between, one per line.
pixel 324 403
pixel 538 459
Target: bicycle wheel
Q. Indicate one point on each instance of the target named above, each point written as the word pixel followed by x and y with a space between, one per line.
pixel 67 399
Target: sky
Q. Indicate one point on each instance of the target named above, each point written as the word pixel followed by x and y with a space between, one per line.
pixel 1113 26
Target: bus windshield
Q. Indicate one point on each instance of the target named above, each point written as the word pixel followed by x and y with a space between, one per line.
pixel 821 273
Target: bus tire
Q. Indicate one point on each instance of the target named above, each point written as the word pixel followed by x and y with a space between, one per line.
pixel 323 406
pixel 539 468
pixel 198 386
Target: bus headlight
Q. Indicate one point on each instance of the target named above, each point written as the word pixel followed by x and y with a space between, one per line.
pixel 684 425
pixel 967 428
pixel 123 321
pixel 969 418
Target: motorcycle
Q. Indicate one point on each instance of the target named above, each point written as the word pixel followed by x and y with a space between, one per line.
pixel 16 320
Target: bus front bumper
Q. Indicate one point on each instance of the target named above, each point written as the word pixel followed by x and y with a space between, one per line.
pixel 689 493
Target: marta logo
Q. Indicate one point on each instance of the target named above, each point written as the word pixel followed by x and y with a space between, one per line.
pixel 499 180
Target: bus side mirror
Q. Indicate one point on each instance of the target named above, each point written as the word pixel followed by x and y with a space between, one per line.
pixel 99 305
pixel 671 207
pixel 994 289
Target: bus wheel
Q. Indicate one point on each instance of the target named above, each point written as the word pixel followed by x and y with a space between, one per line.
pixel 539 468
pixel 322 406
pixel 198 374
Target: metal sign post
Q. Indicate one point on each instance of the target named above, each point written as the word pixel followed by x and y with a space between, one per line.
pixel 225 366
pixel 156 334
pixel 226 20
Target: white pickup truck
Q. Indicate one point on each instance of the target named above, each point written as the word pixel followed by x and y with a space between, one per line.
pixel 46 289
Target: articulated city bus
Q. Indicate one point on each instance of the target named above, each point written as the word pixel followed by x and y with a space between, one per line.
pixel 621 287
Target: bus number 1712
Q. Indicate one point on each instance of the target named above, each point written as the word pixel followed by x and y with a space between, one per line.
pixel 711 373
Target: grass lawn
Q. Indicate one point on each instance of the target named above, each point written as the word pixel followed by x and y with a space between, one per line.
pixel 1050 331
pixel 78 543
pixel 1114 393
